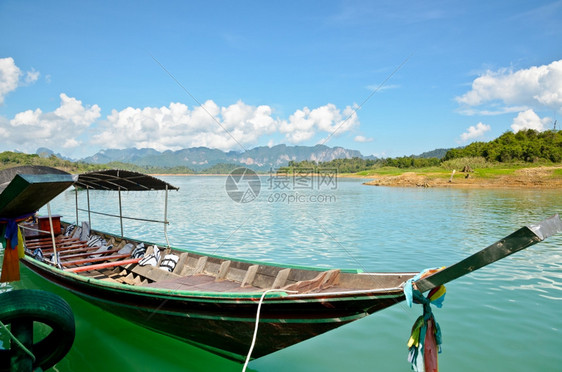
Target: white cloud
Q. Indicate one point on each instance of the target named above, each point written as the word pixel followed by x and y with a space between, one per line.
pixel 300 126
pixel 31 129
pixel 71 143
pixel 381 88
pixel 305 124
pixel 176 126
pixel 475 131
pixel 173 127
pixel 31 76
pixel 529 120
pixel 535 87
pixel 494 110
pixel 72 111
pixel 362 139
pixel 9 77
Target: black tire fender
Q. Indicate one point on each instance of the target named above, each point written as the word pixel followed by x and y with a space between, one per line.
pixel 42 307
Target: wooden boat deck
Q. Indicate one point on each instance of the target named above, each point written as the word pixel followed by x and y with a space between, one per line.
pixel 203 283
pixel 72 251
pixel 200 273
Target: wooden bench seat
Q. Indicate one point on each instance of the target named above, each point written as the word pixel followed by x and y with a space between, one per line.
pixel 91 260
pixel 88 253
pixel 49 243
pixel 104 265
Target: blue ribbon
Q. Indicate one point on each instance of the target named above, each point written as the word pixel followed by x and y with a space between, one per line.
pixel 11 231
pixel 408 288
pixel 416 354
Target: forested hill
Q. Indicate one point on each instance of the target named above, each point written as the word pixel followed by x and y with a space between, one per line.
pixel 526 146
pixel 10 159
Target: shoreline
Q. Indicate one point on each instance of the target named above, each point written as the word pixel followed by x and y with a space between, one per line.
pixel 525 178
pixel 342 175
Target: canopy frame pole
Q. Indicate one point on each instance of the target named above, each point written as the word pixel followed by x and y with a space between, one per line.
pixel 89 215
pixel 120 211
pixel 76 203
pixel 166 217
pixel 55 255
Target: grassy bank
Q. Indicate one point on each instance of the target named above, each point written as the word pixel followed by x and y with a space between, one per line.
pixel 495 175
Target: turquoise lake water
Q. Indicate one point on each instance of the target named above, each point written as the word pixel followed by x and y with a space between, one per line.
pixel 505 317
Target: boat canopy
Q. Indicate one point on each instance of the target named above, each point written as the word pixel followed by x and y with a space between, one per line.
pixel 8 174
pixel 121 180
pixel 25 189
pixel 117 179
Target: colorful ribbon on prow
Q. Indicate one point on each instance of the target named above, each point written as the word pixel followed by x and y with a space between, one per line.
pixel 425 340
pixel 12 241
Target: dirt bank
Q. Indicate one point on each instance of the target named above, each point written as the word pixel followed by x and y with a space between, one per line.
pixel 539 178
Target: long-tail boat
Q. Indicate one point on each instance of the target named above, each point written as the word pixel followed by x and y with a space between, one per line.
pixel 216 302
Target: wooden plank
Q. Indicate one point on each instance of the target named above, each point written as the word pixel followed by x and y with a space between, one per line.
pixel 104 265
pixel 60 248
pixel 150 272
pixel 202 283
pixel 250 275
pixel 86 254
pixel 60 238
pixel 181 263
pixel 201 265
pixel 153 273
pixel 281 278
pixel 89 260
pixel 225 265
pixel 69 252
pixel 235 273
pixel 47 244
pixel 78 245
pixel 212 267
pixel 129 279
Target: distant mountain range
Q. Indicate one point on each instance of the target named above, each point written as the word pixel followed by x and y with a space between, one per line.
pixel 200 158
pixel 260 158
pixel 45 153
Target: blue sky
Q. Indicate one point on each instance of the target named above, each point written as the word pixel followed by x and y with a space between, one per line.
pixel 80 76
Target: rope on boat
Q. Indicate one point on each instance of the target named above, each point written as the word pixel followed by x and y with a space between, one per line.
pixel 18 342
pixel 257 323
